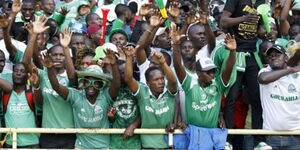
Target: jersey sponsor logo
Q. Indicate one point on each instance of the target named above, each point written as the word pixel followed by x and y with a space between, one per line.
pixel 125 108
pixel 19 108
pixel 246 29
pixel 292 88
pixel 206 107
pixel 283 98
pixel 157 111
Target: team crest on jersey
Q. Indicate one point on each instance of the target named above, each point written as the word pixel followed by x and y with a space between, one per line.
pixel 292 88
pixel 98 109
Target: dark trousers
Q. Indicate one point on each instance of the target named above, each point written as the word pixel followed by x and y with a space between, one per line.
pixel 58 141
pixel 249 78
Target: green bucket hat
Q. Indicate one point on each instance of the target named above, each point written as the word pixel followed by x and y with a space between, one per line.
pixel 96 72
pixel 117 31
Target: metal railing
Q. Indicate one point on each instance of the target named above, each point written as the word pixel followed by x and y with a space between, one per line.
pixel 15 131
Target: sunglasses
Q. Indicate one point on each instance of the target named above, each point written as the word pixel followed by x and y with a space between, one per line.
pixel 97 84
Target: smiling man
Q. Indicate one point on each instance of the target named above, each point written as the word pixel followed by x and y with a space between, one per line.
pixel 279 92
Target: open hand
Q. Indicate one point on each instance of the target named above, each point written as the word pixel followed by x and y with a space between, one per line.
pixel 4 22
pixel 230 42
pixel 47 61
pixel 145 9
pixel 156 19
pixel 39 25
pixel 64 11
pixel 174 10
pixel 158 57
pixel 34 77
pixel 174 34
pixel 65 38
pixel 16 6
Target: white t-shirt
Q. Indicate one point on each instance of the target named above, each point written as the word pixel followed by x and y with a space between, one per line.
pixel 204 53
pixel 143 67
pixel 281 102
pixel 8 64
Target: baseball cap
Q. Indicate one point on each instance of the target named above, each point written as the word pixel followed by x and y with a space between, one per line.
pixel 205 64
pixel 159 32
pixel 92 29
pixel 277 48
pixel 119 30
pixel 96 72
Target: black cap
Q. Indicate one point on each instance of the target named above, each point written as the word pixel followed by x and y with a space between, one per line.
pixel 277 48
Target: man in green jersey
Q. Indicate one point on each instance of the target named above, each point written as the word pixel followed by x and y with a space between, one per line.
pixel 90 103
pixel 17 109
pixel 156 102
pixel 57 113
pixel 203 99
pixel 125 114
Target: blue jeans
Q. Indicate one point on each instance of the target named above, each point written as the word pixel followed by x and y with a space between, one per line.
pixel 284 142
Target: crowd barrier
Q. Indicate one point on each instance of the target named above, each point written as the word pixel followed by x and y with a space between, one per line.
pixel 15 131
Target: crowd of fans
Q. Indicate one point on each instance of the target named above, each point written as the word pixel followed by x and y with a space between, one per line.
pixel 202 66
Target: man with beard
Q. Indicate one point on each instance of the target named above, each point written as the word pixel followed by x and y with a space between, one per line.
pixel 279 93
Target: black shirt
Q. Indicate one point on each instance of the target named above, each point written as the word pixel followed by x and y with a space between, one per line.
pixel 246 32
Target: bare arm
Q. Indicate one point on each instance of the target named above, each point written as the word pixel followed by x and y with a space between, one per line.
pixel 61 90
pixel 230 45
pixel 130 81
pixel 130 129
pixel 5 86
pixel 172 82
pixel 268 77
pixel 64 42
pixel 34 80
pixel 179 69
pixel 116 83
pixel 36 28
pixel 284 24
pixel 211 39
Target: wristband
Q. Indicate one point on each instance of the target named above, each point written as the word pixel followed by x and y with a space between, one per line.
pixel 149 31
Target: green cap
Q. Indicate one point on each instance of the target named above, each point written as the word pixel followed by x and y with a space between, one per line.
pixel 117 31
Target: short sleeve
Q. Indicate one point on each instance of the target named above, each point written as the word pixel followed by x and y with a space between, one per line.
pixel 230 5
pixel 186 84
pixel 18 57
pixel 73 95
pixel 143 67
pixel 139 94
pixel 107 96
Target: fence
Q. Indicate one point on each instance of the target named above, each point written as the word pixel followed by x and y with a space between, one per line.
pixel 15 131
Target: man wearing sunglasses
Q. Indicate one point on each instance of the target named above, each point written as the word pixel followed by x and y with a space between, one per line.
pixel 91 102
pixel 156 102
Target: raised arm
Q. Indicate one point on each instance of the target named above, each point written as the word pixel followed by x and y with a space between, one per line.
pixel 116 83
pixel 211 39
pixel 230 45
pixel 179 69
pixel 37 28
pixel 227 21
pixel 65 40
pixel 155 21
pixel 34 80
pixel 271 76
pixel 4 24
pixel 59 89
pixel 5 86
pixel 172 82
pixel 16 8
pixel 130 81
pixel 284 24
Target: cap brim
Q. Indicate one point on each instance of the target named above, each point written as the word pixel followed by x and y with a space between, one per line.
pixel 209 68
pixel 105 77
pixel 268 51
